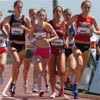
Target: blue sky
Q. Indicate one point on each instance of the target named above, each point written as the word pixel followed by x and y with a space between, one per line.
pixel 5 5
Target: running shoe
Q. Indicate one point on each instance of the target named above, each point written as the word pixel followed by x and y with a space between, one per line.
pixel 41 93
pixel 75 91
pixel 12 87
pixel 53 95
pixel 61 92
pixel 69 82
pixel 25 88
pixel 34 89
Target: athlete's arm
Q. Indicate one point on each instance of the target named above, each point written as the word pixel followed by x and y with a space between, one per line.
pixel 27 24
pixel 5 25
pixel 53 34
pixel 68 35
pixel 70 22
pixel 31 33
pixel 97 28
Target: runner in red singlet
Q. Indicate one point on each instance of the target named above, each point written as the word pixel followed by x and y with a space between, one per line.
pixel 57 63
pixel 84 27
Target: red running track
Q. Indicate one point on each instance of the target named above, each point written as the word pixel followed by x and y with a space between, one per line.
pixel 19 95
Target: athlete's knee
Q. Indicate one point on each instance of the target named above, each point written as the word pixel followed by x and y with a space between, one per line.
pixel 61 73
pixel 72 67
pixel 2 65
pixel 79 59
pixel 72 70
pixel 17 61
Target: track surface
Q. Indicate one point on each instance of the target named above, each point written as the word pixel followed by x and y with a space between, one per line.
pixel 19 95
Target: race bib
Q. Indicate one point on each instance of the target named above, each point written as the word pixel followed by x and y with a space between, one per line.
pixel 17 31
pixel 58 42
pixel 82 30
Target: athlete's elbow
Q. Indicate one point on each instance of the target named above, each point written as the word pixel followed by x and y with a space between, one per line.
pixel 57 37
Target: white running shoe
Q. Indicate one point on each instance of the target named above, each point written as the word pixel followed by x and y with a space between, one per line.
pixel 34 89
pixel 1 79
pixel 25 88
pixel 53 95
pixel 41 92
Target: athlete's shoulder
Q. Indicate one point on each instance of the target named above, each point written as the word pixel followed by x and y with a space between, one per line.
pixel 46 24
pixel 75 17
pixel 93 19
pixel 8 17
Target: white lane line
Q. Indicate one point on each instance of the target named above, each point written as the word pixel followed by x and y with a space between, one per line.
pixel 67 97
pixel 35 94
pixel 4 92
pixel 12 98
pixel 6 87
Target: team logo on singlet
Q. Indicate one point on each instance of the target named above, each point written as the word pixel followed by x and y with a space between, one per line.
pixel 40 34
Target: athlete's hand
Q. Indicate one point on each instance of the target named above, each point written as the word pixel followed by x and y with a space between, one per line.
pixel 22 26
pixel 47 40
pixel 66 44
pixel 92 30
pixel 30 36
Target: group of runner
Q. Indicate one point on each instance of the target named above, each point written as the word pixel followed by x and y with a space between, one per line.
pixel 49 44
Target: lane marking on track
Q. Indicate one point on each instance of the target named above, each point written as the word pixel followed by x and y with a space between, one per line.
pixel 12 98
pixel 67 97
pixel 6 87
pixel 36 94
pixel 4 92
